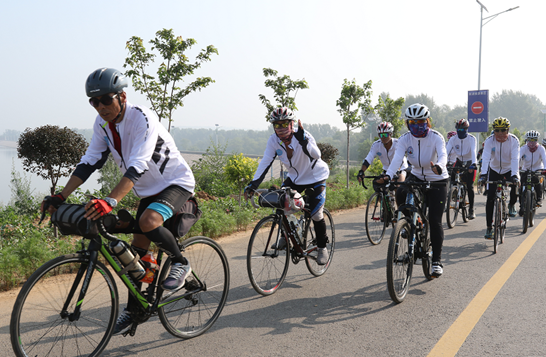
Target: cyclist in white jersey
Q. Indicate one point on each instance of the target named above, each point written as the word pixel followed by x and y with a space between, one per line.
pixel 384 149
pixel 152 166
pixel 462 148
pixel 500 161
pixel 299 153
pixel 532 157
pixel 426 152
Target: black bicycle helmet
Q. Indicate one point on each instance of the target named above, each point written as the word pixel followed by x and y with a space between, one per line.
pixel 104 81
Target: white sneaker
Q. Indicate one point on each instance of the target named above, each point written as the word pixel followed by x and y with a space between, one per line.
pixel 437 269
pixel 323 256
pixel 177 276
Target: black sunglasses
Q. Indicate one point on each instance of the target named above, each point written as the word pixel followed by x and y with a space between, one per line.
pixel 105 100
pixel 500 130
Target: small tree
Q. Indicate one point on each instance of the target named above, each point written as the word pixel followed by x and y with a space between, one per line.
pixel 239 171
pixel 282 86
pixel 163 92
pixel 328 153
pixel 353 99
pixel 391 110
pixel 209 171
pixel 50 152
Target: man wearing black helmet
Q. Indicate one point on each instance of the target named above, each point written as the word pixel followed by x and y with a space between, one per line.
pixel 152 166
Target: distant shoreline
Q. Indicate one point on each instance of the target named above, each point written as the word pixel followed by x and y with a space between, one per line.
pixel 9 144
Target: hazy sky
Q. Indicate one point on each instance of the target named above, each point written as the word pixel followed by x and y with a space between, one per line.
pixel 405 47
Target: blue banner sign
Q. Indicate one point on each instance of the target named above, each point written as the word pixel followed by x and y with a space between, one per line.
pixel 478 110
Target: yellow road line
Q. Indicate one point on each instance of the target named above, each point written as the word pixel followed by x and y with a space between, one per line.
pixel 453 339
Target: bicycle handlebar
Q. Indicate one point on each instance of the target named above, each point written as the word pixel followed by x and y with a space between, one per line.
pixel 257 192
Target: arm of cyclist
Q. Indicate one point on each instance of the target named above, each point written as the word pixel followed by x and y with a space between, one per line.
pixel 398 158
pixel 514 162
pixel 486 158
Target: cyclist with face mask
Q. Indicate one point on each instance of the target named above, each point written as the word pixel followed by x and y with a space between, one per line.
pixel 532 157
pixel 462 147
pixel 426 152
pixel 500 161
pixel 299 153
pixel 384 149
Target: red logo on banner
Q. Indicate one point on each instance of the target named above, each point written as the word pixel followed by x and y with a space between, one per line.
pixel 477 107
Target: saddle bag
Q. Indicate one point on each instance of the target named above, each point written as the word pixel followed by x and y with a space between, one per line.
pixel 181 222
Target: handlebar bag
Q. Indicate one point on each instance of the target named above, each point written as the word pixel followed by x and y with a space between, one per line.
pixel 70 220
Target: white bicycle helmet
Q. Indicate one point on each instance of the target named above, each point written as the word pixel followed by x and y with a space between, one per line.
pixel 282 113
pixel 532 134
pixel 417 111
pixel 385 127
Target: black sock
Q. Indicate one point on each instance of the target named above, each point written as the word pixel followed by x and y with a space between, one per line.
pixel 320 231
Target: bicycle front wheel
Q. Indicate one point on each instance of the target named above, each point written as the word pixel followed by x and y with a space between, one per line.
pixel 267 267
pixel 192 310
pixel 533 209
pixel 42 323
pixel 452 207
pixel 464 204
pixel 526 205
pixel 399 261
pixel 376 223
pixel 497 212
pixel 311 260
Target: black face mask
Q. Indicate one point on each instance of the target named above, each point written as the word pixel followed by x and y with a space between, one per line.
pixel 462 133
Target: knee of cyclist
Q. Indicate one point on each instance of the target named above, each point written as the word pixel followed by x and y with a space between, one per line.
pixel 148 223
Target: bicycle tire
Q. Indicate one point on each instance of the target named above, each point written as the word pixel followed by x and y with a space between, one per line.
pixel 376 219
pixel 311 262
pixel 452 210
pixel 192 315
pixel 399 263
pixel 533 209
pixel 426 259
pixel 464 205
pixel 526 204
pixel 266 267
pixel 37 326
pixel 497 224
pixel 505 219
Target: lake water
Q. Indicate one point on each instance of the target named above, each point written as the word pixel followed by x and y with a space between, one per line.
pixel 40 187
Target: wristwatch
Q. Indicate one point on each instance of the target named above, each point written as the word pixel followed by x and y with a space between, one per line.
pixel 112 202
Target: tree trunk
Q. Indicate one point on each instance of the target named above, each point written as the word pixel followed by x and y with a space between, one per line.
pixel 348 155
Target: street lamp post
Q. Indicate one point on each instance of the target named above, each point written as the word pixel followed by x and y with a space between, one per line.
pixel 217 125
pixel 489 18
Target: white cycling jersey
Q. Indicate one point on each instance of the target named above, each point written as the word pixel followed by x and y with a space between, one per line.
pixel 148 151
pixel 501 157
pixel 420 152
pixel 302 169
pixel 532 160
pixel 379 150
pixel 462 149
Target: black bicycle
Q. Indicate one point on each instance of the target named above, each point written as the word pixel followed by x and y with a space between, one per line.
pixel 500 211
pixel 267 256
pixel 409 241
pixel 457 195
pixel 69 305
pixel 379 212
pixel 529 197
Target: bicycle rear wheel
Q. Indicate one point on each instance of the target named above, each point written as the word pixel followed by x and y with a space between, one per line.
pixel 452 208
pixel 376 223
pixel 311 260
pixel 497 214
pixel 192 310
pixel 464 204
pixel 399 261
pixel 267 267
pixel 526 205
pixel 533 209
pixel 426 251
pixel 40 327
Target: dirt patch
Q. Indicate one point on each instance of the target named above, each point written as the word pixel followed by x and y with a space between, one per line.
pixel 202 195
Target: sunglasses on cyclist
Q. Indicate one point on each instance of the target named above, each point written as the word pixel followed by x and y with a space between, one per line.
pixel 417 121
pixel 532 139
pixel 105 100
pixel 461 130
pixel 500 130
pixel 384 135
pixel 281 125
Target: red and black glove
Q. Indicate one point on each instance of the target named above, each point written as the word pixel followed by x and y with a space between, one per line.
pixel 101 206
pixel 56 200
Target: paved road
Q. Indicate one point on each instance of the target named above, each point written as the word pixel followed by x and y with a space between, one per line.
pixel 348 311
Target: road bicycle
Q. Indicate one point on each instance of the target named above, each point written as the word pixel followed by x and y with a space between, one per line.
pixel 500 212
pixel 379 212
pixel 457 195
pixel 529 197
pixel 410 240
pixel 70 304
pixel 267 258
